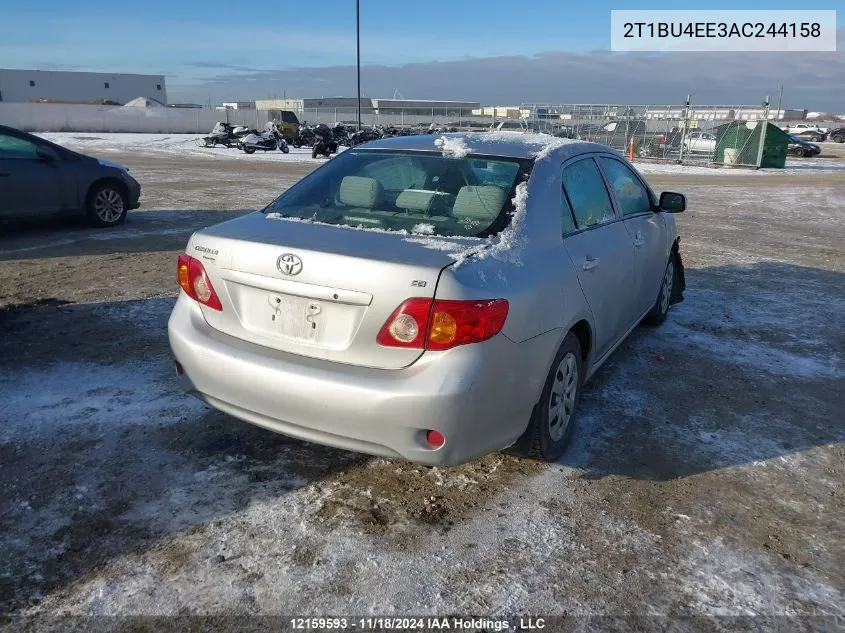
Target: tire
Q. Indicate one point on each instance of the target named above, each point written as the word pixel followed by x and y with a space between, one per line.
pixel 106 205
pixel 658 312
pixel 553 419
pixel 315 152
pixel 798 151
pixel 284 147
pixel 840 138
pixel 249 150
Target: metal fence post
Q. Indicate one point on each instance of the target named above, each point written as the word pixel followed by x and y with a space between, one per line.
pixel 763 133
pixel 684 130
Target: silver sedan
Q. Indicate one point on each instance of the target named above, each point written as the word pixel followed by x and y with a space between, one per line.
pixel 430 298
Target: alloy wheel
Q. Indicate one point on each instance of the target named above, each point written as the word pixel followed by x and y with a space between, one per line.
pixel 108 205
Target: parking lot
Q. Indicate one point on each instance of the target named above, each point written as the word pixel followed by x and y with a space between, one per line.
pixel 706 475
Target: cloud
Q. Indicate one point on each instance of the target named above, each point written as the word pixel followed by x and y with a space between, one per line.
pixel 810 80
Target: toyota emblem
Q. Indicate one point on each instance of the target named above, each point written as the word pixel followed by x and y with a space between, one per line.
pixel 289 264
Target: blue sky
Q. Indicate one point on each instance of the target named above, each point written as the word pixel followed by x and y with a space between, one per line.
pixel 173 36
pixel 206 46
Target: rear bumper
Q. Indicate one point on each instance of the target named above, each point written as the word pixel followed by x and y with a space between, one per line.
pixel 478 396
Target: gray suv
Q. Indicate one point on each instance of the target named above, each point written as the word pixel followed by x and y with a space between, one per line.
pixel 40 179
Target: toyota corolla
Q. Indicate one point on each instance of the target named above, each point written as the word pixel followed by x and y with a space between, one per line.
pixel 429 298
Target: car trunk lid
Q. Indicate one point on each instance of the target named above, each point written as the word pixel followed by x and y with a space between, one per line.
pixel 312 289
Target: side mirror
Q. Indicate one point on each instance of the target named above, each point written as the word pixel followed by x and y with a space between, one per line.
pixel 672 202
pixel 46 153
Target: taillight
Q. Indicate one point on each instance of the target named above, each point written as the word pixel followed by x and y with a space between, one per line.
pixel 440 324
pixel 195 282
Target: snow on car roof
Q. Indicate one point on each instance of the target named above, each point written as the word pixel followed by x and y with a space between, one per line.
pixel 506 144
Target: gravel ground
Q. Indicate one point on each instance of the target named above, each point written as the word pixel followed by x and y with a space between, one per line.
pixel 705 479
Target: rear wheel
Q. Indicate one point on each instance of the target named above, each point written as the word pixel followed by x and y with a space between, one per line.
pixel 315 151
pixel 106 205
pixel 553 421
pixel 249 150
pixel 658 313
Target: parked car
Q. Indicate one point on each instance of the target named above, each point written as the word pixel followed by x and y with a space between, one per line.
pixel 837 135
pixel 814 136
pixel 39 178
pixel 799 128
pixel 411 300
pixel 700 143
pixel 799 147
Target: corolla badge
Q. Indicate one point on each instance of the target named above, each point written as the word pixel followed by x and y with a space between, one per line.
pixel 289 264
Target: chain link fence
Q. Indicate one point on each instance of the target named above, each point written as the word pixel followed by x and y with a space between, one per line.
pixel 703 135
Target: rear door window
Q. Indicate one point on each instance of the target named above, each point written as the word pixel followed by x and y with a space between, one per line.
pixel 586 194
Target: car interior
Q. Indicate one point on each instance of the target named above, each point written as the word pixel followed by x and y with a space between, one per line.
pixel 452 196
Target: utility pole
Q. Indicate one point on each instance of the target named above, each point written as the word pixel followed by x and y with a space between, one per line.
pixel 358 51
pixel 780 100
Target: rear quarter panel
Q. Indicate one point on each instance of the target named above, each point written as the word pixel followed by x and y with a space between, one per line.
pixel 539 281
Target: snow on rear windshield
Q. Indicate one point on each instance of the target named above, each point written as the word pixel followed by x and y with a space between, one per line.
pixel 448 195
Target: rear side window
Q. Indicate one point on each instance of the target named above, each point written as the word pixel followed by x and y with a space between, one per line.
pixel 633 198
pixel 13 147
pixel 586 194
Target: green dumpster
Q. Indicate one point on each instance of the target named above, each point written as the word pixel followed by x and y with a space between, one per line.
pixel 738 143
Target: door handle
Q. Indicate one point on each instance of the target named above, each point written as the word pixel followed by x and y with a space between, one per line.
pixel 638 239
pixel 590 263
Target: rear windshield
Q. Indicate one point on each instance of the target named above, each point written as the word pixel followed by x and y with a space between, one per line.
pixel 421 192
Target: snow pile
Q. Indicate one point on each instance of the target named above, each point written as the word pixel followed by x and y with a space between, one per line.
pixel 143 102
pixel 507 246
pixel 551 145
pixel 423 229
pixel 452 146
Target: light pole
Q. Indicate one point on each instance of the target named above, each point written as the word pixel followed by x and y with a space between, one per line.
pixel 358 50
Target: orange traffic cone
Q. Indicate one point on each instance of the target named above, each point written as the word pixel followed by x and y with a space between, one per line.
pixel 631 149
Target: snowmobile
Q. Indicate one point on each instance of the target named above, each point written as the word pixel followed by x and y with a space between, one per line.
pixel 223 134
pixel 341 134
pixel 305 137
pixel 324 142
pixel 268 140
pixel 364 136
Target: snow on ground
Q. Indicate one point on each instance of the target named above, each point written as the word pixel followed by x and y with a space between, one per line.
pixel 793 166
pixel 210 514
pixel 182 144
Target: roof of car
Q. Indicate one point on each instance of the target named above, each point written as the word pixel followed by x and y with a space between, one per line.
pixel 506 144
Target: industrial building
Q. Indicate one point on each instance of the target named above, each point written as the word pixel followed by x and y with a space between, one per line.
pixel 78 87
pixel 349 105
pixel 237 105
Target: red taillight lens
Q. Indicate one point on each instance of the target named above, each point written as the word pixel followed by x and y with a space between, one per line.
pixel 438 325
pixel 195 282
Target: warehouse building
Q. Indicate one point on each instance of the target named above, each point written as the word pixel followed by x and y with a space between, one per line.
pixel 78 87
pixel 349 105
